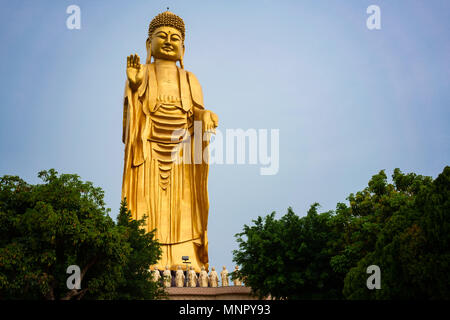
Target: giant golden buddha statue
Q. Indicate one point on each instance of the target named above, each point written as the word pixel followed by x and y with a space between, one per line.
pixel 161 104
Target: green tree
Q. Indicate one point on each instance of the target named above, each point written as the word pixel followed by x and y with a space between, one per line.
pixel 403 227
pixel 145 251
pixel 47 227
pixel 411 246
pixel 288 258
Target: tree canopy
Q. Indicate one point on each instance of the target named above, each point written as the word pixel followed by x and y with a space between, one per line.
pixel 45 228
pixel 402 227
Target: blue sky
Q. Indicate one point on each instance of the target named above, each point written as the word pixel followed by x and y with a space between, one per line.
pixel 348 101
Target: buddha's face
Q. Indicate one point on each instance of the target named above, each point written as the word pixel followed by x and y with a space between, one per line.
pixel 167 44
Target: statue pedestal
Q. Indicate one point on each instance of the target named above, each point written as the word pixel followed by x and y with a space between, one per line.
pixel 219 293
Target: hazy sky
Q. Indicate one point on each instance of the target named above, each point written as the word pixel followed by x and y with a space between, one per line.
pixel 348 101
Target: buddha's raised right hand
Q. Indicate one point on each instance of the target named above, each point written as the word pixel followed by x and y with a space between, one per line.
pixel 135 72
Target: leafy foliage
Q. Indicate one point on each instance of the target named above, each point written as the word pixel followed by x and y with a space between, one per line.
pixel 144 252
pixel 403 227
pixel 44 228
pixel 287 258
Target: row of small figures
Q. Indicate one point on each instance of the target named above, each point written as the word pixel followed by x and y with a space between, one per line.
pixel 193 280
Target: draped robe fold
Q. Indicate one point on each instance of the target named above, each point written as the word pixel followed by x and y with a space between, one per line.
pixel 173 196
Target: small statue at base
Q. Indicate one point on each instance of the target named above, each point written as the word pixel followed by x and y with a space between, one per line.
pixel 213 278
pixel 237 281
pixel 203 279
pixel 224 276
pixel 156 275
pixel 179 278
pixel 167 278
pixel 192 278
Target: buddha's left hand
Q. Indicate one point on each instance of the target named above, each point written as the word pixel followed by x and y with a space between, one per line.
pixel 210 121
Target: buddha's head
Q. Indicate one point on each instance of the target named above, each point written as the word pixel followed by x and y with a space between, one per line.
pixel 166 38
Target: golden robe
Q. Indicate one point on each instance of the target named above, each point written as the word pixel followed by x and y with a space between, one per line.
pixel 172 195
